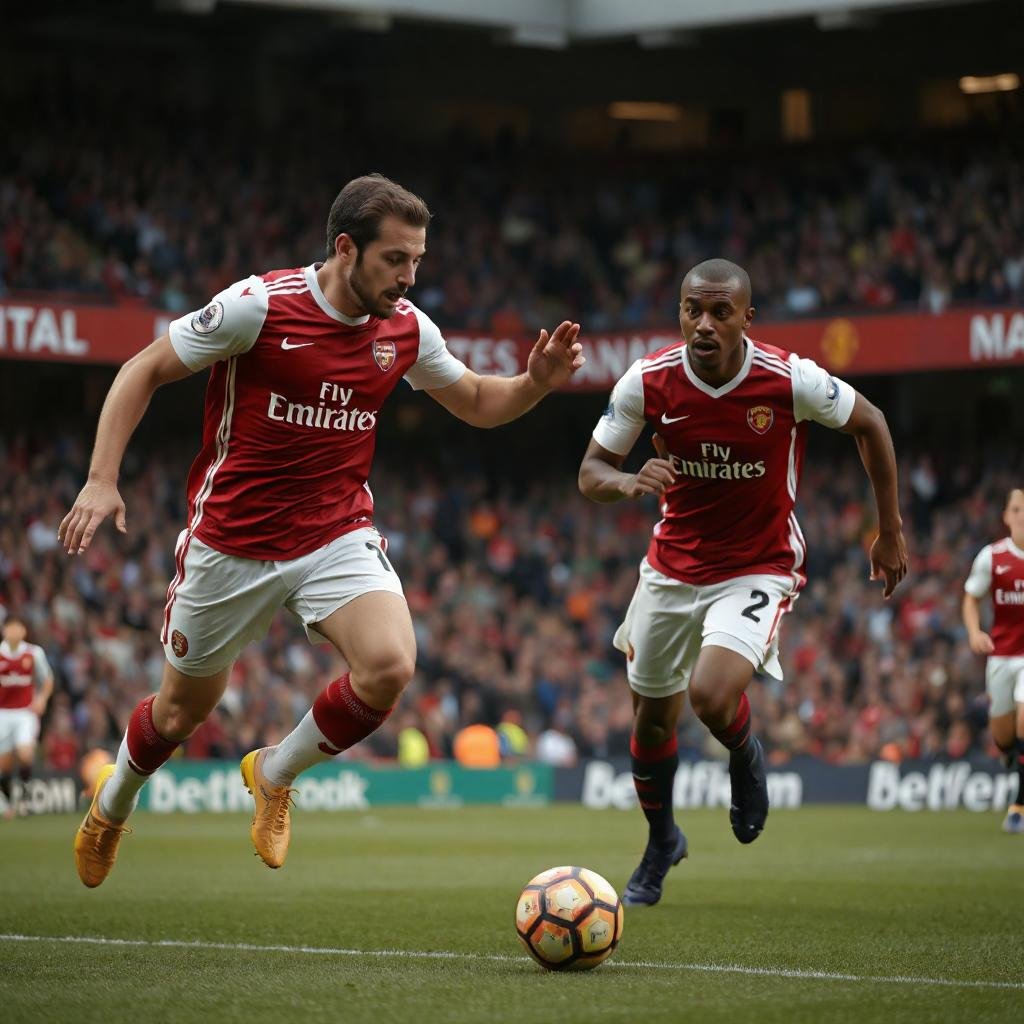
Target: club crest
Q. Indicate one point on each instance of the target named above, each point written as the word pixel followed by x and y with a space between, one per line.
pixel 384 353
pixel 179 643
pixel 760 419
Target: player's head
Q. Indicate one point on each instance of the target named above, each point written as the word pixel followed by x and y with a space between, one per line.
pixel 14 630
pixel 1013 515
pixel 714 311
pixel 377 231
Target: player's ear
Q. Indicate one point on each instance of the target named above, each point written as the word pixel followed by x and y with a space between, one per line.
pixel 748 317
pixel 345 248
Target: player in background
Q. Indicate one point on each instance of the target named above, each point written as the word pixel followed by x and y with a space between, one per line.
pixel 999 570
pixel 26 683
pixel 727 557
pixel 279 509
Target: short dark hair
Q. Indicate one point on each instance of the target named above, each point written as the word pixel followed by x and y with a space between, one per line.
pixel 719 271
pixel 364 202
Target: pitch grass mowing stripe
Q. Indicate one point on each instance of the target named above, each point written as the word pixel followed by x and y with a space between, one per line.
pixel 415 954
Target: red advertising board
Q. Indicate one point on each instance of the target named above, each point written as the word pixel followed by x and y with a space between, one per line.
pixel 892 343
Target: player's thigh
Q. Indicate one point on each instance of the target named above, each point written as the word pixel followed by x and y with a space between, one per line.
pixel 1018 699
pixel 216 605
pixel 1003 683
pixel 351 595
pixel 374 634
pixel 7 740
pixel 660 635
pixel 718 679
pixel 743 616
pixel 1003 729
pixel 19 730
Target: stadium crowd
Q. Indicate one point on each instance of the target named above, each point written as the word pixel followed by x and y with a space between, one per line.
pixel 169 217
pixel 515 593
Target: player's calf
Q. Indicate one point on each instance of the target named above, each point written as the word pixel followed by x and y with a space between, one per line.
pixel 748 809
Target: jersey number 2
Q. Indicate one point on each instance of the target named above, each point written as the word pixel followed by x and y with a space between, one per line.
pixel 760 600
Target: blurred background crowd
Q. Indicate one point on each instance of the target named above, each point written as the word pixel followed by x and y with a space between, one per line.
pixel 519 241
pixel 516 588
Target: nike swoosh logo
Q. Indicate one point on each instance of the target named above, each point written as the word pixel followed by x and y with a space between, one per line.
pixel 673 419
pixel 286 346
pixel 1001 569
pixel 329 751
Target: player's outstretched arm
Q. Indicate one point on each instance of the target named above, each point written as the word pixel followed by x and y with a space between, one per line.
pixel 874 442
pixel 980 641
pixel 125 403
pixel 601 478
pixel 490 401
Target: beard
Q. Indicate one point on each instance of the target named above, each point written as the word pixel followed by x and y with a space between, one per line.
pixel 373 304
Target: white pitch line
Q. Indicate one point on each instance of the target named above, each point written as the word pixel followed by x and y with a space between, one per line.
pixel 416 954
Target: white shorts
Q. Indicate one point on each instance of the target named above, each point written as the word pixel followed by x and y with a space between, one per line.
pixel 219 603
pixel 19 727
pixel 1004 680
pixel 668 622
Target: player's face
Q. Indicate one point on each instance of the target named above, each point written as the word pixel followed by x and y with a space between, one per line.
pixel 713 317
pixel 1013 516
pixel 14 633
pixel 385 269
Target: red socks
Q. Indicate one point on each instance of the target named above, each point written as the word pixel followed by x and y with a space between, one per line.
pixel 343 717
pixel 654 772
pixel 147 749
pixel 737 732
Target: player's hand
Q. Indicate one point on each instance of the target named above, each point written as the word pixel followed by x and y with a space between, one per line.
pixel 555 358
pixel 889 559
pixel 38 706
pixel 656 476
pixel 981 643
pixel 96 501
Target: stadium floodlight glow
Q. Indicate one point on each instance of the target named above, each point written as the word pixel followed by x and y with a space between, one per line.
pixel 972 84
pixel 630 110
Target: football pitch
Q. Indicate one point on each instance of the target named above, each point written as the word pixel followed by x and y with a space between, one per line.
pixel 834 914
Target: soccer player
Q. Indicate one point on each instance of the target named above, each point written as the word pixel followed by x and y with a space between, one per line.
pixel 999 570
pixel 26 683
pixel 279 509
pixel 726 559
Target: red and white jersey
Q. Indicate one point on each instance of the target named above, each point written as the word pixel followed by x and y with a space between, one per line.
pixel 999 570
pixel 738 452
pixel 21 671
pixel 291 410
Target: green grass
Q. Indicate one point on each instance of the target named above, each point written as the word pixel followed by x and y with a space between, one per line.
pixel 843 891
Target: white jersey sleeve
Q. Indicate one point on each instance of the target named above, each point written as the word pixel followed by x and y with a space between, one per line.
pixel 226 326
pixel 435 366
pixel 819 396
pixel 979 582
pixel 41 670
pixel 623 420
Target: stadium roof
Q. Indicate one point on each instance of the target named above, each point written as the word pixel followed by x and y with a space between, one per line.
pixel 556 23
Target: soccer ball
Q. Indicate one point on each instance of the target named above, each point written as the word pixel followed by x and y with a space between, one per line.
pixel 569 919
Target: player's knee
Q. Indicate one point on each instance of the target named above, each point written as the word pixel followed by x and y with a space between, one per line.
pixel 713 707
pixel 383 679
pixel 652 734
